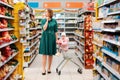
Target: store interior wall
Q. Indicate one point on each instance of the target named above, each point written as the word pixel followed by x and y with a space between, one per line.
pixel 62 2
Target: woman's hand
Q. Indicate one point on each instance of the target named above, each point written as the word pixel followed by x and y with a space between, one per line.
pixel 48 18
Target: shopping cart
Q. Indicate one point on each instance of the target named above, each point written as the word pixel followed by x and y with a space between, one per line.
pixel 66 59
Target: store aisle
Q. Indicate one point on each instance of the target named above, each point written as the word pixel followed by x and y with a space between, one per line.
pixel 68 73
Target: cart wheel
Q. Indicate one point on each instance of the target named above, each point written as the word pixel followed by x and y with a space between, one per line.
pixel 59 73
pixel 79 71
pixel 56 70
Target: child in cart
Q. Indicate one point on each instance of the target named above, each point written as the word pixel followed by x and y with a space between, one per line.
pixel 62 43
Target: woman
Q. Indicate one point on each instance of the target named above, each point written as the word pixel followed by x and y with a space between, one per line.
pixel 48 40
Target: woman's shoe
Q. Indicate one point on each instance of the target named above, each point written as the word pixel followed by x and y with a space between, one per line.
pixel 49 72
pixel 44 73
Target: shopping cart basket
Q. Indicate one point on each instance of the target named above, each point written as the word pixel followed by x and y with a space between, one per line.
pixel 66 59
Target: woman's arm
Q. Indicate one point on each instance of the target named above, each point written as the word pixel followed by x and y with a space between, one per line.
pixel 46 25
pixel 56 34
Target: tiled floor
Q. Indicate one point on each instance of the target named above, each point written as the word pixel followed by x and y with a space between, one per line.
pixel 69 72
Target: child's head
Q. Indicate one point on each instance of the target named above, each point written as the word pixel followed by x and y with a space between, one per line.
pixel 63 35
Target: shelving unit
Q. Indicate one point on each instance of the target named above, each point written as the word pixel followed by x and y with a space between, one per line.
pixel 108 37
pixel 100 72
pixel 113 13
pixel 11 57
pixel 15 67
pixel 7 44
pixel 6 17
pixel 29 38
pixel 7 5
pixel 8 49
pixel 80 35
pixel 111 70
pixel 6 29
pixel 107 3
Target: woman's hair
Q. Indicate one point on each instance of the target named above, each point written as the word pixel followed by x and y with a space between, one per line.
pixel 50 11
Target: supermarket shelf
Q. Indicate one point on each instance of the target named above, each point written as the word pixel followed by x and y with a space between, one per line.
pixel 98 57
pixel 100 45
pixel 69 32
pixel 39 17
pixel 112 41
pixel 61 27
pixel 100 17
pixel 61 22
pixel 113 13
pixel 30 53
pixel 6 44
pixel 70 22
pixel 34 44
pixel 80 49
pixel 26 64
pixel 39 27
pixel 80 21
pixel 101 73
pixel 11 57
pixel 81 28
pixel 32 59
pixel 59 18
pixel 110 21
pixel 117 29
pixel 70 37
pixel 67 27
pixel 111 54
pixel 97 30
pixel 33 28
pixel 86 11
pixel 79 42
pixel 79 35
pixel 8 75
pixel 33 36
pixel 70 27
pixel 66 18
pixel 5 4
pixel 111 70
pixel 109 30
pixel 6 29
pixel 70 17
pixel 6 17
pixel 107 3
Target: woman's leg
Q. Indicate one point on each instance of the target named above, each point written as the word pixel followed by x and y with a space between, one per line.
pixel 44 59
pixel 50 58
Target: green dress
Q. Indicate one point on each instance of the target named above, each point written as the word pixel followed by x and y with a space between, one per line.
pixel 48 38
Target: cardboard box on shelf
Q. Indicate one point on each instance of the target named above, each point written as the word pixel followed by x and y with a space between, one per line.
pixel 119 69
pixel 119 49
pixel 115 65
